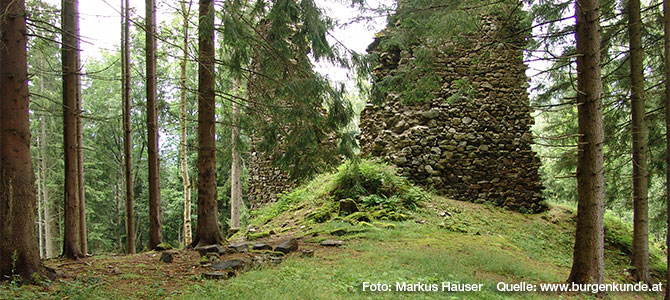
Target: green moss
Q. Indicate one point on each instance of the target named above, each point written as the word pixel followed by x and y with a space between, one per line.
pixel 323 214
pixel 618 235
pixel 385 225
pixel 165 246
pixel 258 235
pixel 359 216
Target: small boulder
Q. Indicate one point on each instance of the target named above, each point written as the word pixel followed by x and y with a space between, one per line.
pixel 163 247
pixel 307 253
pixel 167 257
pixel 287 246
pixel 261 247
pixel 332 243
pixel 347 206
pixel 203 250
pixel 218 275
pixel 212 256
pixel 275 260
pixel 233 230
pixel 233 264
pixel 239 247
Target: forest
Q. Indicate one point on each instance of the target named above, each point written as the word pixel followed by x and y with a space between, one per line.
pixel 347 149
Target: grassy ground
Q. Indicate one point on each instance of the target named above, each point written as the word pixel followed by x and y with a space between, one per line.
pixel 442 241
pixel 459 243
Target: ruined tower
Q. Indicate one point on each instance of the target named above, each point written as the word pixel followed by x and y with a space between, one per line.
pixel 470 138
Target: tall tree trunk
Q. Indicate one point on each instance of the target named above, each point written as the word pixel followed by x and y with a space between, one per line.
pixel 117 198
pixel 155 230
pixel 666 38
pixel 182 118
pixel 70 14
pixel 640 251
pixel 48 234
pixel 40 219
pixel 127 142
pixel 588 257
pixel 208 231
pixel 18 244
pixel 235 170
pixel 80 177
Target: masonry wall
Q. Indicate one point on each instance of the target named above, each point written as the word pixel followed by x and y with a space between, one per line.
pixel 265 182
pixel 472 141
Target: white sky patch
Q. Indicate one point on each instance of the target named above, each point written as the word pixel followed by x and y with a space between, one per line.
pixel 355 36
pixel 100 27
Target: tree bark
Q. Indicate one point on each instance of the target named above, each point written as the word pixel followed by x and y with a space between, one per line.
pixel 666 38
pixel 127 141
pixel 588 258
pixel 40 219
pixel 208 231
pixel 117 198
pixel 46 206
pixel 182 118
pixel 80 176
pixel 235 170
pixel 640 247
pixel 70 14
pixel 19 252
pixel 155 227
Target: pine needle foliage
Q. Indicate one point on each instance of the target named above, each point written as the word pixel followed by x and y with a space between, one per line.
pixel 297 114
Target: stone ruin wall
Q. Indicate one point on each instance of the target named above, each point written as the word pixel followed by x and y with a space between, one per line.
pixel 265 182
pixel 474 149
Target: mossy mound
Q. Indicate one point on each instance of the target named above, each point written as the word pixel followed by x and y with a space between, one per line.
pixel 359 191
pixel 365 191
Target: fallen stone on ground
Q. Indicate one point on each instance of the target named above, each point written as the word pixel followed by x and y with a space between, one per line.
pixel 203 250
pixel 307 253
pixel 261 246
pixel 167 257
pixel 287 246
pixel 218 275
pixel 233 264
pixel 239 247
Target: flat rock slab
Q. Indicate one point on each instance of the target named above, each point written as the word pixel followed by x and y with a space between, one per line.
pixel 203 250
pixel 275 260
pixel 261 246
pixel 239 247
pixel 287 246
pixel 218 275
pixel 307 253
pixel 332 243
pixel 233 264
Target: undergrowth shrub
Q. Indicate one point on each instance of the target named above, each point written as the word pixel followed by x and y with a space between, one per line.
pixel 376 185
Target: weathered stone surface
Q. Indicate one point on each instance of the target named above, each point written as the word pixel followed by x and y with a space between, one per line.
pixel 307 253
pixel 218 275
pixel 287 246
pixel 239 247
pixel 347 206
pixel 203 250
pixel 167 257
pixel 469 146
pixel 261 246
pixel 233 264
pixel 275 260
pixel 332 243
pixel 163 247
